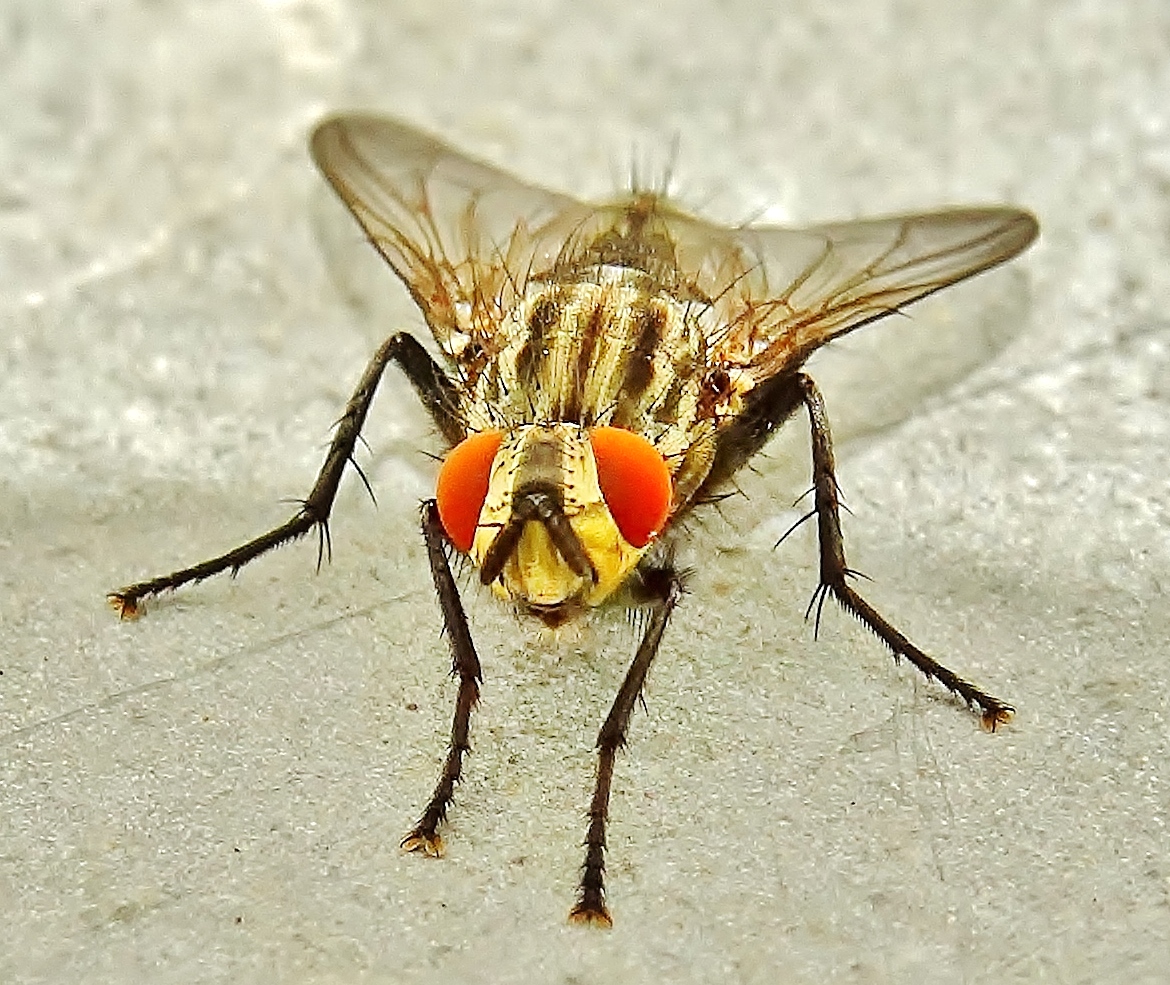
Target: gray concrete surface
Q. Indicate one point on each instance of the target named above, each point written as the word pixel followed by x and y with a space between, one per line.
pixel 216 792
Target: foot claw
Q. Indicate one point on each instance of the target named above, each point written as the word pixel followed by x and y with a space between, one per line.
pixel 999 715
pixel 428 844
pixel 126 606
pixel 583 915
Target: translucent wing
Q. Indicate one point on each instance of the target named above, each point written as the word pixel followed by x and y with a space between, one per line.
pixel 466 238
pixel 783 293
pixel 459 233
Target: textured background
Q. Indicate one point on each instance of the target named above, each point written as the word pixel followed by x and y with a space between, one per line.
pixel 217 791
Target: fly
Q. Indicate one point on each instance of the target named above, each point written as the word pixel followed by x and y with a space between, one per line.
pixel 606 369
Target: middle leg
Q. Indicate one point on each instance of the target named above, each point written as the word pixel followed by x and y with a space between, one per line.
pixel 424 836
pixel 663 584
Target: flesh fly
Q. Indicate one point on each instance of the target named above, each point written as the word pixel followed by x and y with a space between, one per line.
pixel 606 369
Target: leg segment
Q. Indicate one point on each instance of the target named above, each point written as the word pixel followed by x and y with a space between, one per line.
pixel 424 837
pixel 768 406
pixel 665 584
pixel 835 572
pixel 436 393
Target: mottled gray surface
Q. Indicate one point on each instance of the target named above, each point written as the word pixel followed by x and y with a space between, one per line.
pixel 216 792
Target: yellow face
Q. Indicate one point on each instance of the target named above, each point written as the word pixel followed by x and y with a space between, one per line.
pixel 537 573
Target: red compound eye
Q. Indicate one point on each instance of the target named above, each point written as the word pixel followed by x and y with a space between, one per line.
pixel 635 482
pixel 463 485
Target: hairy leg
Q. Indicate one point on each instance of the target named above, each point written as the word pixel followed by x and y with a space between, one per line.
pixel 424 836
pixel 835 572
pixel 437 395
pixel 663 584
